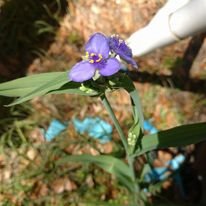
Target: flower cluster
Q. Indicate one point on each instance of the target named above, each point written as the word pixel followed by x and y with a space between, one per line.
pixel 100 58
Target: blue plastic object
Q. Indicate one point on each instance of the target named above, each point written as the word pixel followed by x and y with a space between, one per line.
pixel 160 173
pixel 95 127
pixel 149 127
pixel 54 129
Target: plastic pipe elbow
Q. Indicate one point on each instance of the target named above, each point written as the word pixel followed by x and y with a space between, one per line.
pixel 173 22
pixel 189 20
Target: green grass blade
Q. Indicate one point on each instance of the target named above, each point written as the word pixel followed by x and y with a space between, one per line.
pixel 175 137
pixel 106 162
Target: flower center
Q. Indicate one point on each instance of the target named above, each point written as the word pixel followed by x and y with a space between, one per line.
pixel 93 58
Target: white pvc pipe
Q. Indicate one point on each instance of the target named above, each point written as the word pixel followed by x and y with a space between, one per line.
pixel 178 19
pixel 190 19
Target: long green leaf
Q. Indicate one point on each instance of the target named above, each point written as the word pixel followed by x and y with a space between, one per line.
pixel 52 84
pixel 175 137
pixel 24 85
pixel 29 87
pixel 106 162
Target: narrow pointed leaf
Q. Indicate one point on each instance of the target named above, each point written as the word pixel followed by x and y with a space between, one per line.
pixel 24 85
pixel 175 137
pixel 52 84
pixel 29 87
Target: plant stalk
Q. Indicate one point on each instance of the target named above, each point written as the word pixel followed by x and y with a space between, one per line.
pixel 130 159
pixel 115 121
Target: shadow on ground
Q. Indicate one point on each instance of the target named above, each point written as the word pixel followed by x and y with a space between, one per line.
pixel 27 28
pixel 180 77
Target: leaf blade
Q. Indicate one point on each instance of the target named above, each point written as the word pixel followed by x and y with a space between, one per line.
pixel 177 136
pixel 52 84
pixel 15 88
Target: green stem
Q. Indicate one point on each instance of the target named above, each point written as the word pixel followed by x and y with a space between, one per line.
pixel 130 159
pixel 115 121
pixel 136 186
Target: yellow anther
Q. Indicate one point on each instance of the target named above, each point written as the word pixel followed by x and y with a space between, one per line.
pixel 100 58
pixel 92 54
pixel 87 55
pixel 91 61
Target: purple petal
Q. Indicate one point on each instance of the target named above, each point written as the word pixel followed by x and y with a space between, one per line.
pixel 81 72
pixel 129 60
pixel 98 44
pixel 119 47
pixel 111 67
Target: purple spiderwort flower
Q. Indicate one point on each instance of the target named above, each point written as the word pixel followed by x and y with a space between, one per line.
pixel 96 59
pixel 119 47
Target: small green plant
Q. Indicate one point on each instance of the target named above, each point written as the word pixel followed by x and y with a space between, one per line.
pixel 13 124
pixel 97 75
